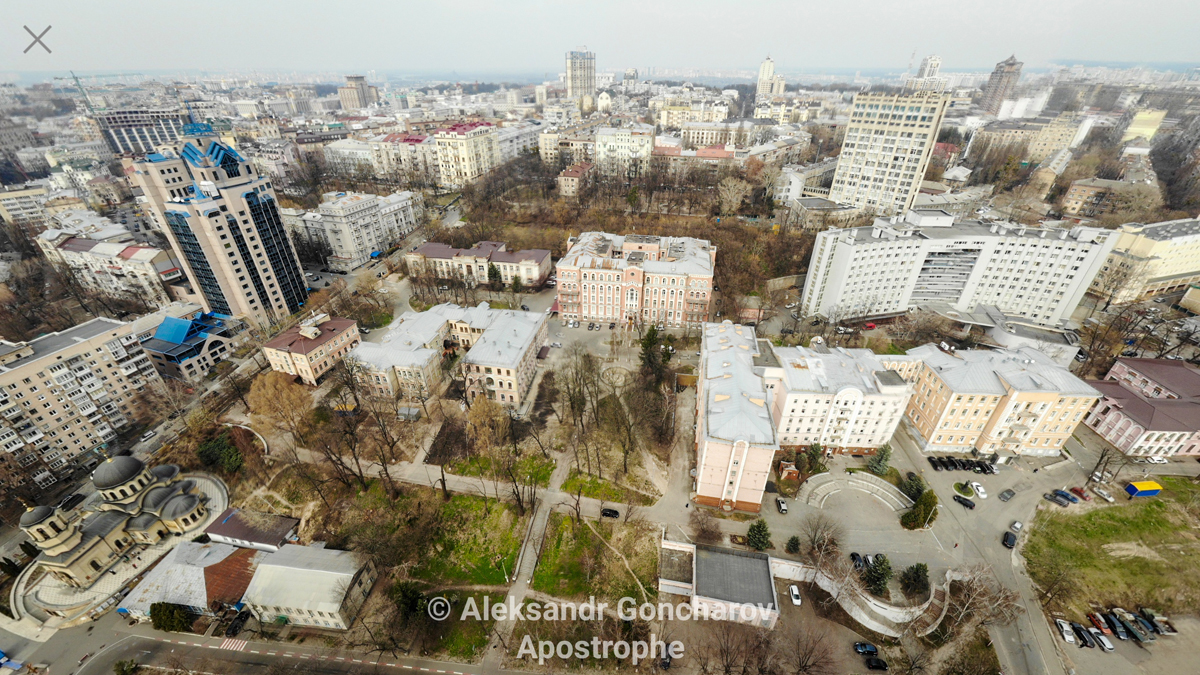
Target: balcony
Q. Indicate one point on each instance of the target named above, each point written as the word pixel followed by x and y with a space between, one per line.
pixel 33 436
pixel 64 377
pixel 13 412
pixel 87 408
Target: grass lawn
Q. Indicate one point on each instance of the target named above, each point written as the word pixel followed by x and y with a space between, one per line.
pixel 532 464
pixel 569 549
pixel 964 489
pixel 1133 553
pixel 479 546
pixel 468 639
pixel 598 488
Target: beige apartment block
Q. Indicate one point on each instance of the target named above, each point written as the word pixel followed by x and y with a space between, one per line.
pixel 466 152
pixel 63 396
pixel 1151 260
pixel 1004 402
pixel 889 141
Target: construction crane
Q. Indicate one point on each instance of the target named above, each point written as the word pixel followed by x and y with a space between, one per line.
pixel 87 100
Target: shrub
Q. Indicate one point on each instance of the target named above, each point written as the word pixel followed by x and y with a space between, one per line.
pixel 793 545
pixel 170 617
pixel 129 667
pixel 878 575
pixel 914 580
pixel 913 487
pixel 879 462
pixel 759 535
pixel 923 511
pixel 220 452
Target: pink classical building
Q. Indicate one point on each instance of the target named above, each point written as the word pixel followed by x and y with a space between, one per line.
pixel 1149 407
pixel 636 279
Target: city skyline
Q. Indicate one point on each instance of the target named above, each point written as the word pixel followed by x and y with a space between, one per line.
pixel 1040 35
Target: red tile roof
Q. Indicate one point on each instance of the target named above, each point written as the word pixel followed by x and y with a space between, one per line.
pixel 228 580
pixel 292 342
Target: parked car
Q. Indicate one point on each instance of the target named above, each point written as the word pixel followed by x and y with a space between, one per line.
pixel 874 663
pixel 665 662
pixel 869 326
pixel 1078 492
pixel 610 513
pixel 781 505
pixel 1117 627
pixel 1017 526
pixel 1103 493
pixel 1007 495
pixel 937 466
pixel 865 649
pixel 1050 497
pixel 857 561
pixel 1067 496
pixel 786 331
pixel 239 622
pixel 1101 641
pixel 612 325
pixel 1065 629
pixel 1085 638
pixel 1097 621
pixel 524 308
pixel 71 501
pixel 148 435
pixel 1009 540
pixel 967 503
pixel 794 594
pixel 979 489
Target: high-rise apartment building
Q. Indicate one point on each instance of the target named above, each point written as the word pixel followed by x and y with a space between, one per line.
pixel 930 66
pixel 65 395
pixel 928 77
pixel 636 278
pixel 581 73
pixel 356 93
pixel 141 130
pixel 887 148
pixel 223 222
pixel 928 260
pixel 766 77
pixel 1001 84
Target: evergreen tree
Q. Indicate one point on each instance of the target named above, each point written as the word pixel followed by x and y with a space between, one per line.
pixel 914 580
pixel 878 575
pixel 879 462
pixel 759 535
pixel 923 512
pixel 793 545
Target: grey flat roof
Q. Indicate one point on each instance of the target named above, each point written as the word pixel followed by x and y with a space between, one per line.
pixel 734 576
pixel 56 342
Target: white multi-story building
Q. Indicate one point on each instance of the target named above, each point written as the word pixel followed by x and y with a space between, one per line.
pixel 354 225
pixel 626 150
pixel 929 260
pixel 888 143
pixel 466 152
pixel 766 78
pixel 115 269
pixel 517 139
pixel 844 399
pixel 500 361
pixel 350 156
pixel 636 278
pixel 410 157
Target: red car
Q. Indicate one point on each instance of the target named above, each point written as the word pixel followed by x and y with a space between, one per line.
pixel 870 326
pixel 1099 624
pixel 1078 492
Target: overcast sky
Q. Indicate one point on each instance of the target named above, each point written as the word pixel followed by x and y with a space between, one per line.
pixel 530 36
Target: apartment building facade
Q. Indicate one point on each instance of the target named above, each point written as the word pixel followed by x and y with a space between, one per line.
pixel 141 130
pixel 581 73
pixel 930 260
pixel 21 205
pixel 356 225
pixel 636 279
pixel 222 219
pixel 889 141
pixel 466 152
pixel 995 402
pixel 624 151
pixel 846 400
pixel 63 396
pixel 312 348
pixel 114 269
pixel 1000 84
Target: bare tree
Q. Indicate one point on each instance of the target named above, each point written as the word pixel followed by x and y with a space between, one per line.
pixel 823 535
pixel 705 528
pixel 979 594
pixel 808 649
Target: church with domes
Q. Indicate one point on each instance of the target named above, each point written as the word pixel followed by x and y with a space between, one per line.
pixel 134 505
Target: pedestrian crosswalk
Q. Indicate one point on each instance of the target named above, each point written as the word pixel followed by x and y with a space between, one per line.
pixel 234 645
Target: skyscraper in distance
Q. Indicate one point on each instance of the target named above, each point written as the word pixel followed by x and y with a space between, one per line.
pixel 223 222
pixel 581 73
pixel 930 66
pixel 766 77
pixel 1001 83
pixel 889 141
